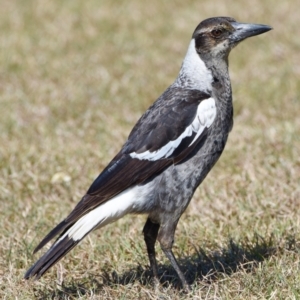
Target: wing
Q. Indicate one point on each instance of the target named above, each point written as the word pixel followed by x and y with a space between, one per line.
pixel 166 134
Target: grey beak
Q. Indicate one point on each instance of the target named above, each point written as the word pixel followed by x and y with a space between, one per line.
pixel 244 30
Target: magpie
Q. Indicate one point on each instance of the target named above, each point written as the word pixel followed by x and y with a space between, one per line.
pixel 168 153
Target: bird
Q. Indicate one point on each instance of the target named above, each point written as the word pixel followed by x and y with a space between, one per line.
pixel 167 155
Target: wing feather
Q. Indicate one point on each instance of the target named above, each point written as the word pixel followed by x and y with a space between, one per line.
pixel 168 132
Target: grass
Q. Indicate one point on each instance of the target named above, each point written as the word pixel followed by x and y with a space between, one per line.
pixel 74 78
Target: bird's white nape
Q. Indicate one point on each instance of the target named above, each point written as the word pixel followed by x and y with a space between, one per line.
pixel 194 73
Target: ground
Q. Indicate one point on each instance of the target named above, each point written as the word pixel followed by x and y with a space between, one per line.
pixel 74 78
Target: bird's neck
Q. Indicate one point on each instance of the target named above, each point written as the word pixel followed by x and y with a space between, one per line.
pixel 194 73
pixel 221 80
pixel 206 73
pixel 221 86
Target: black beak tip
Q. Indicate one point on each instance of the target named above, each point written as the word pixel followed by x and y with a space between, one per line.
pixel 259 29
pixel 266 28
pixel 244 30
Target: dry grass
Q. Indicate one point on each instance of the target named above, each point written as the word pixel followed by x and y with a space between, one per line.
pixel 74 78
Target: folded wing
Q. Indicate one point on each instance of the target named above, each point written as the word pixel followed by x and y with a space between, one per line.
pixel 166 134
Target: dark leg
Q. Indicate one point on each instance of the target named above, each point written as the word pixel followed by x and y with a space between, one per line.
pixel 166 239
pixel 150 235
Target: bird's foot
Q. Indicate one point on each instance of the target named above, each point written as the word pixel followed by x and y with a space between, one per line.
pixel 156 282
pixel 186 288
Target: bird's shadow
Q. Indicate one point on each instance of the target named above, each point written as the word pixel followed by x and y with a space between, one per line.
pixel 200 266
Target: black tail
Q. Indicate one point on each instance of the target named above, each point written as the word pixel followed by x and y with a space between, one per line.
pixel 53 255
pixel 62 226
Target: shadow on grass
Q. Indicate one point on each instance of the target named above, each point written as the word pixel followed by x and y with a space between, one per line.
pixel 201 266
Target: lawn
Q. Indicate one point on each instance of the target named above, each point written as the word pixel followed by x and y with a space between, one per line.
pixel 75 76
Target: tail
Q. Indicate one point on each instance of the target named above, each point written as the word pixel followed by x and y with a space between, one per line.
pixel 72 234
pixel 67 240
pixel 52 256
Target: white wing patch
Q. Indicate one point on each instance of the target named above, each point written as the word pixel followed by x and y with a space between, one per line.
pixel 205 116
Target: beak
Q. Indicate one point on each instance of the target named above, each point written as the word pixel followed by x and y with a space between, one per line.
pixel 244 30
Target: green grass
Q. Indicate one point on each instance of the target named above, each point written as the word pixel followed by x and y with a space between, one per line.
pixel 74 78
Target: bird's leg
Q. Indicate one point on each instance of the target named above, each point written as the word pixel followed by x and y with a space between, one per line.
pixel 166 239
pixel 150 235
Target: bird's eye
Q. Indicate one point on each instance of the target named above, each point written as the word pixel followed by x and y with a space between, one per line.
pixel 217 32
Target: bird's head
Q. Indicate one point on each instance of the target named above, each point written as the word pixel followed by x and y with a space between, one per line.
pixel 215 37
